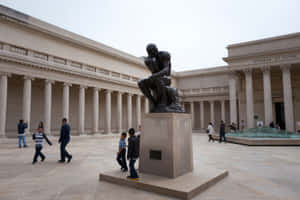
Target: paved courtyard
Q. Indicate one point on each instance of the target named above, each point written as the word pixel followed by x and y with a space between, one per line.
pixel 255 172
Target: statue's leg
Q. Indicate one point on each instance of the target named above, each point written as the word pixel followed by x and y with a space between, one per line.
pixel 145 86
pixel 161 92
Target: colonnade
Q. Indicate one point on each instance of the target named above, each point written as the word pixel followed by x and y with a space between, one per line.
pixel 268 108
pixel 48 84
pixel 201 112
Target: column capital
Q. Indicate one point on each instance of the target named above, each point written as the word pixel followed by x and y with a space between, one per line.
pixel 49 81
pixel 265 69
pixel 28 78
pixel 68 84
pixel 5 74
pixel 129 94
pixel 247 71
pixel 120 92
pixel 285 67
pixel 108 91
pixel 83 86
pixel 96 89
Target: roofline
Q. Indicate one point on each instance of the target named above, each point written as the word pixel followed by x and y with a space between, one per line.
pixel 269 39
pixel 42 26
pixel 204 71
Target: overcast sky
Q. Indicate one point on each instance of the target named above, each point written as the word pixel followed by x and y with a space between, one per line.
pixel 195 32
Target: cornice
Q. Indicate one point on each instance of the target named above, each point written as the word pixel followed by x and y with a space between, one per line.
pixel 265 40
pixel 261 54
pixel 200 72
pixel 41 26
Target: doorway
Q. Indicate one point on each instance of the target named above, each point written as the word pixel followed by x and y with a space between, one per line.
pixel 279 110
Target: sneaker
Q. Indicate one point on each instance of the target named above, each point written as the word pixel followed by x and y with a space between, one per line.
pixel 133 179
pixel 61 161
pixel 69 159
pixel 33 162
pixel 43 159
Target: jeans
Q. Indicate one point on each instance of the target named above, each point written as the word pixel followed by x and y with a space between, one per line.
pixel 133 173
pixel 122 159
pixel 222 136
pixel 38 149
pixel 210 137
pixel 22 138
pixel 63 151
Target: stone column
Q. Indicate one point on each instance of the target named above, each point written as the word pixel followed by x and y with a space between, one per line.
pixel 192 113
pixel 267 95
pixel 81 109
pixel 108 111
pixel 65 100
pixel 223 110
pixel 288 98
pixel 232 98
pixel 27 100
pixel 129 110
pixel 138 110
pixel 3 103
pixel 48 106
pixel 212 112
pixel 119 104
pixel 95 109
pixel 249 98
pixel 146 105
pixel 202 114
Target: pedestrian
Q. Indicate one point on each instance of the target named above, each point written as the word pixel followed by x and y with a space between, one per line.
pixel 133 154
pixel 272 124
pixel 39 137
pixel 64 140
pixel 121 154
pixel 210 130
pixel 222 132
pixel 41 125
pixel 139 132
pixel 21 133
pixel 242 125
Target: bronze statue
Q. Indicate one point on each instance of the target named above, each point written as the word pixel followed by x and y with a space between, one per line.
pixel 157 88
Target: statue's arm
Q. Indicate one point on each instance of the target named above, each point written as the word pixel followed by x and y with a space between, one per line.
pixel 166 66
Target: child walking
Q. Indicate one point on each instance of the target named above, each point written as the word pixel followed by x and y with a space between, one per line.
pixel 39 141
pixel 121 154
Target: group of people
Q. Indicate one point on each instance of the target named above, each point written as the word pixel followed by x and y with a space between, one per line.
pixel 40 136
pixel 133 150
pixel 210 130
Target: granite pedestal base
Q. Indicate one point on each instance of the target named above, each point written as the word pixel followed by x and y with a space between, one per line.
pixel 166 144
pixel 183 187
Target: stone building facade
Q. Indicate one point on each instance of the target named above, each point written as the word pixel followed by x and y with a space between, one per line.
pixel 47 73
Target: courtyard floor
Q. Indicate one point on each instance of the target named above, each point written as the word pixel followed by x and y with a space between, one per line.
pixel 254 172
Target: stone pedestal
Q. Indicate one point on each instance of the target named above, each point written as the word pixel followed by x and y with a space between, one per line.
pixel 166 144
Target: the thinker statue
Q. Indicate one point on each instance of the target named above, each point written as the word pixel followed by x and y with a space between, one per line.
pixel 157 88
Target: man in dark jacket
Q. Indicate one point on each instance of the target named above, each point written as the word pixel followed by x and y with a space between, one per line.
pixel 21 133
pixel 64 139
pixel 133 154
pixel 222 132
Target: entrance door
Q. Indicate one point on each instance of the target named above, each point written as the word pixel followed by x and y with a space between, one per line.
pixel 279 110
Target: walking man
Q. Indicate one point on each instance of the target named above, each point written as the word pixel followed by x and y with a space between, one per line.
pixel 64 139
pixel 222 132
pixel 21 133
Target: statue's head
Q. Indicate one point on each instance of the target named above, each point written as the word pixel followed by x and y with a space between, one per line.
pixel 152 50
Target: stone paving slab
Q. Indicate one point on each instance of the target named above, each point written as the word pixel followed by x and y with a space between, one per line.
pixel 183 187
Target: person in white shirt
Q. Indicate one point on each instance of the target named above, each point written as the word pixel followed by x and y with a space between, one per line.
pixel 210 131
